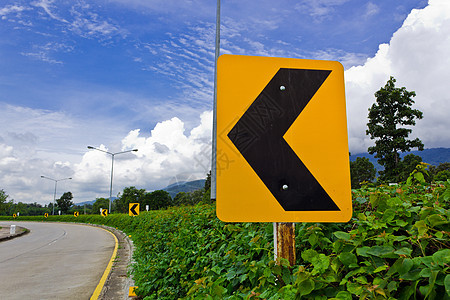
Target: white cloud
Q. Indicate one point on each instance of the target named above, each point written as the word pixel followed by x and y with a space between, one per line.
pixel 46 5
pixel 39 142
pixel 417 56
pixel 166 153
pixel 371 9
pixel 11 9
pixel 319 9
pixel 45 52
pixel 88 24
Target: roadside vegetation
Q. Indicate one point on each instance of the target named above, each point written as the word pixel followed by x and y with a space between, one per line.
pixel 396 246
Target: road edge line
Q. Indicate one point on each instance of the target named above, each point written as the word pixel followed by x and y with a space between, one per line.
pixel 105 275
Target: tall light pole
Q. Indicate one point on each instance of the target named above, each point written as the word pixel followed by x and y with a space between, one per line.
pixel 214 129
pixel 54 195
pixel 112 168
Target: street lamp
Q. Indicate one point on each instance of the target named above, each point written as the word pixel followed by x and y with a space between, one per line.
pixel 112 168
pixel 54 195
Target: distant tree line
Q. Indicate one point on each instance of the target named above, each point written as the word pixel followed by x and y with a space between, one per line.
pixel 155 200
pixel 158 199
pixel 64 204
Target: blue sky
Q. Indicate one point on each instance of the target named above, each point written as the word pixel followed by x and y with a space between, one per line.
pixel 120 74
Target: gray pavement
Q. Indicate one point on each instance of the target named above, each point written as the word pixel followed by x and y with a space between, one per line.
pixel 53 261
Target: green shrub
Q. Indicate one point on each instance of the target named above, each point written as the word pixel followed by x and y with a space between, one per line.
pixel 396 246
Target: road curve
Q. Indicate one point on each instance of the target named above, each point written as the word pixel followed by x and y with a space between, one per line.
pixel 54 261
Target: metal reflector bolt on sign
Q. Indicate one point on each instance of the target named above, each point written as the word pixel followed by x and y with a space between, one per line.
pixel 281 126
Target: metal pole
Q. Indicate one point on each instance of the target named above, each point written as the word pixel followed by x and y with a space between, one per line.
pixel 110 187
pixel 214 133
pixel 112 168
pixel 54 198
pixel 54 195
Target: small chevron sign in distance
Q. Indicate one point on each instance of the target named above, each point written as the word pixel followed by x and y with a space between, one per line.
pixel 76 214
pixel 133 209
pixel 282 150
pixel 105 212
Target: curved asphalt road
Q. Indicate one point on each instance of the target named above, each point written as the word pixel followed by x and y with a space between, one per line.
pixel 54 261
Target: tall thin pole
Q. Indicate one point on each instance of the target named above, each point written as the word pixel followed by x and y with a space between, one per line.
pixel 214 133
pixel 110 187
pixel 54 198
pixel 112 168
pixel 54 195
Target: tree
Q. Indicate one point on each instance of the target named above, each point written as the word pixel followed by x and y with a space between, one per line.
pixel 100 203
pixel 441 172
pixel 442 175
pixel 361 170
pixel 441 167
pixel 207 189
pixel 158 199
pixel 180 199
pixel 130 195
pixel 392 110
pixel 65 202
pixel 4 204
pixel 208 181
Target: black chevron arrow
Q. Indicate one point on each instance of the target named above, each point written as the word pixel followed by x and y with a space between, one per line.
pixel 133 209
pixel 258 135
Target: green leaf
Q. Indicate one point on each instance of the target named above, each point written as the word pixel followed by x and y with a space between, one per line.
pixel 381 251
pixel 412 275
pixel 431 281
pixel 342 235
pixel 230 275
pixel 306 287
pixel 427 261
pixel 442 257
pixel 403 251
pixel 381 268
pixel 343 295
pixel 436 220
pixel 363 251
pixel 421 227
pixel 313 239
pixel 419 177
pixel 309 255
pixel 392 286
pixel 425 272
pixel 447 284
pixel 219 290
pixel 348 258
pixel 354 288
pixel 388 215
pixel 216 269
pixel 361 279
pixel 405 266
pixel 401 223
pixel 321 264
